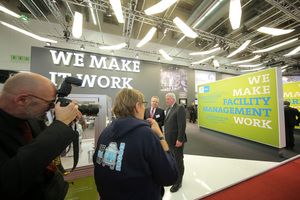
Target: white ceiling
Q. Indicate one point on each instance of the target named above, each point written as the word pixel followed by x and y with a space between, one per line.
pixel 50 20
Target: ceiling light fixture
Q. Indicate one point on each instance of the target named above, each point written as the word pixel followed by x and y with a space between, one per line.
pixel 147 38
pixel 283 67
pixel 184 28
pixel 251 65
pixel 216 63
pixel 276 46
pixel 274 31
pixel 206 14
pixel 293 52
pixel 165 55
pixel 136 55
pixel 117 8
pixel 158 59
pixel 92 11
pixel 205 52
pixel 82 47
pixel 48 44
pixel 3 9
pixel 235 13
pixel 112 52
pixel 113 47
pixel 245 61
pixel 160 7
pixel 201 61
pixel 283 70
pixel 108 12
pixel 180 39
pixel 77 25
pixel 241 48
pixel 27 33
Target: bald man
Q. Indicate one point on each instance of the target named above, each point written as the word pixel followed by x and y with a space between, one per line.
pixel 26 167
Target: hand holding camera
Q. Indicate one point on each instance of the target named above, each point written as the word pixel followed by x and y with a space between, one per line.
pixel 67 113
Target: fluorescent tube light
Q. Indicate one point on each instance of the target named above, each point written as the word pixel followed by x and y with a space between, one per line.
pixel 92 12
pixel 27 33
pixel 245 61
pixel 216 63
pixel 250 65
pixel 201 61
pixel 293 52
pixel 251 70
pixel 235 13
pixel 241 48
pixel 77 25
pixel 274 31
pixel 205 52
pixel 283 67
pixel 159 7
pixel 117 7
pixel 184 28
pixel 147 38
pixel 113 47
pixel 165 55
pixel 283 70
pixel 3 9
pixel 180 39
pixel 276 46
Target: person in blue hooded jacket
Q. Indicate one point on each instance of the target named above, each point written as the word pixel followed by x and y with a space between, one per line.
pixel 132 159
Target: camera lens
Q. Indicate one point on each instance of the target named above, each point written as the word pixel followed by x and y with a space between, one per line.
pixel 89 109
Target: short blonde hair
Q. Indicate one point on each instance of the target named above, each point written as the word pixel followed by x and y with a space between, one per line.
pixel 125 102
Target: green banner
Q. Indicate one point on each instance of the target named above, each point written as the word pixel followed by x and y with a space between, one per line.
pixel 82 188
pixel 291 93
pixel 248 106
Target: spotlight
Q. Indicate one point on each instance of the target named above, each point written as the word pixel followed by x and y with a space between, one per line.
pixel 108 12
pixel 158 59
pixel 226 47
pixel 136 55
pixel 112 52
pixel 198 41
pixel 66 35
pixel 82 47
pixel 48 44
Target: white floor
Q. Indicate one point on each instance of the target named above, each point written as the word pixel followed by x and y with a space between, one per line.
pixel 203 174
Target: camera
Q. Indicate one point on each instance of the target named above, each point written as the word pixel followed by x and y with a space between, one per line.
pixel 66 88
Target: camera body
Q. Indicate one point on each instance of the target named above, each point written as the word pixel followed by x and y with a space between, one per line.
pixel 66 88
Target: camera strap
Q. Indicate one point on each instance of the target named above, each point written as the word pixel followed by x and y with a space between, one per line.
pixel 57 160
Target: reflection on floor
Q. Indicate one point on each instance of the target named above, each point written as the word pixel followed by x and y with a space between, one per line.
pixel 203 174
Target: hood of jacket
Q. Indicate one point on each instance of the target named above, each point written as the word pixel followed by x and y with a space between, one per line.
pixel 122 126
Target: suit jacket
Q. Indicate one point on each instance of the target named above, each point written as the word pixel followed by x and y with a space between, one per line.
pixel 290 115
pixel 159 116
pixel 22 164
pixel 175 124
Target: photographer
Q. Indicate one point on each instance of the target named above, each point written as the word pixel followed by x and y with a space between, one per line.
pixel 26 155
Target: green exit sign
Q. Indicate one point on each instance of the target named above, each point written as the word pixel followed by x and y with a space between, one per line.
pixel 20 58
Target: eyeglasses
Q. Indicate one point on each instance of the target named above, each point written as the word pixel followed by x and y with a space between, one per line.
pixel 145 103
pixel 50 103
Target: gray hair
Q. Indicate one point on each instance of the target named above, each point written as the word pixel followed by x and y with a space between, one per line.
pixel 172 95
pixel 156 97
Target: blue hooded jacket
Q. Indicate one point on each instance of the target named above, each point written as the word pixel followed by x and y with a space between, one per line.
pixel 130 162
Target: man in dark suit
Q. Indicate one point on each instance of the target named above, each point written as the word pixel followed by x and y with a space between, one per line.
pixel 291 121
pixel 27 145
pixel 175 124
pixel 155 112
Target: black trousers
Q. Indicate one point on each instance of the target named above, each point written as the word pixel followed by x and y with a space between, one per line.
pixel 289 135
pixel 177 153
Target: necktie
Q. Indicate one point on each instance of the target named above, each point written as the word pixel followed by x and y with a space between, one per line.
pixel 151 114
pixel 168 112
pixel 26 132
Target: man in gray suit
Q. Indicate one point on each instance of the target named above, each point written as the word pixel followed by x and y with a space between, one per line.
pixel 175 124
